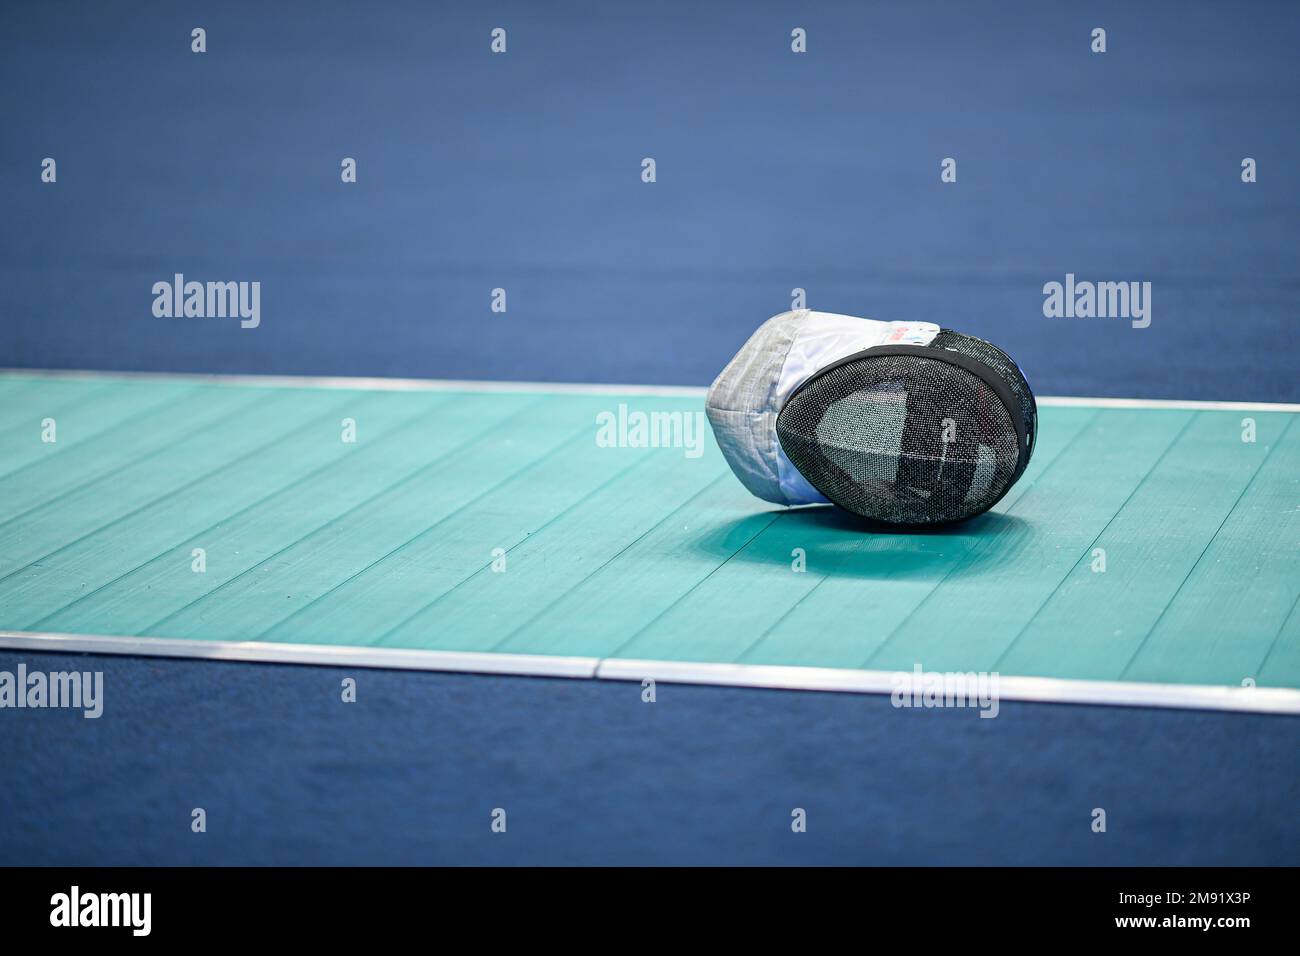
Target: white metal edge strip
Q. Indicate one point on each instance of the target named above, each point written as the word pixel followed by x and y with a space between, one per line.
pixel 578 388
pixel 374 384
pixel 528 665
pixel 1271 700
pixel 1070 401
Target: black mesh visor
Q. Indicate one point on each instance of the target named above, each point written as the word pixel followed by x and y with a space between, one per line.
pixel 913 434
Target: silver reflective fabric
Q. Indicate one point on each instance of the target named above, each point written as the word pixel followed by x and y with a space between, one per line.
pixel 742 405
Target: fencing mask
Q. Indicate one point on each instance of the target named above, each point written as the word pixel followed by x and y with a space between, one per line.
pixel 900 422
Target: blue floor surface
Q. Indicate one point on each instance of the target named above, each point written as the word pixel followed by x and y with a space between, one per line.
pixel 775 170
pixel 589 774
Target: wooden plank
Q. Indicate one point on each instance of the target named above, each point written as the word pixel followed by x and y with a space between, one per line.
pixel 1228 613
pixel 864 598
pixel 1095 621
pixel 79 414
pixel 610 606
pixel 41 532
pixel 993 591
pixel 482 611
pixel 387 600
pixel 642 553
pixel 351 580
pixel 759 586
pixel 1281 666
pixel 25 401
pixel 143 442
pixel 738 599
pixel 303 435
pixel 165 591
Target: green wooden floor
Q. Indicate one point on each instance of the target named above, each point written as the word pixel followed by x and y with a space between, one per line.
pixel 493 521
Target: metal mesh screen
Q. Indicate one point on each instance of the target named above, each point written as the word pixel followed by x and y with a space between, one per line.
pixel 903 439
pixel 1007 370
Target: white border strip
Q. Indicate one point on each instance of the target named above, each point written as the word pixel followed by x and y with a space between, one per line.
pixel 1266 700
pixel 574 388
pixel 1070 402
pixel 469 662
pixel 371 384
